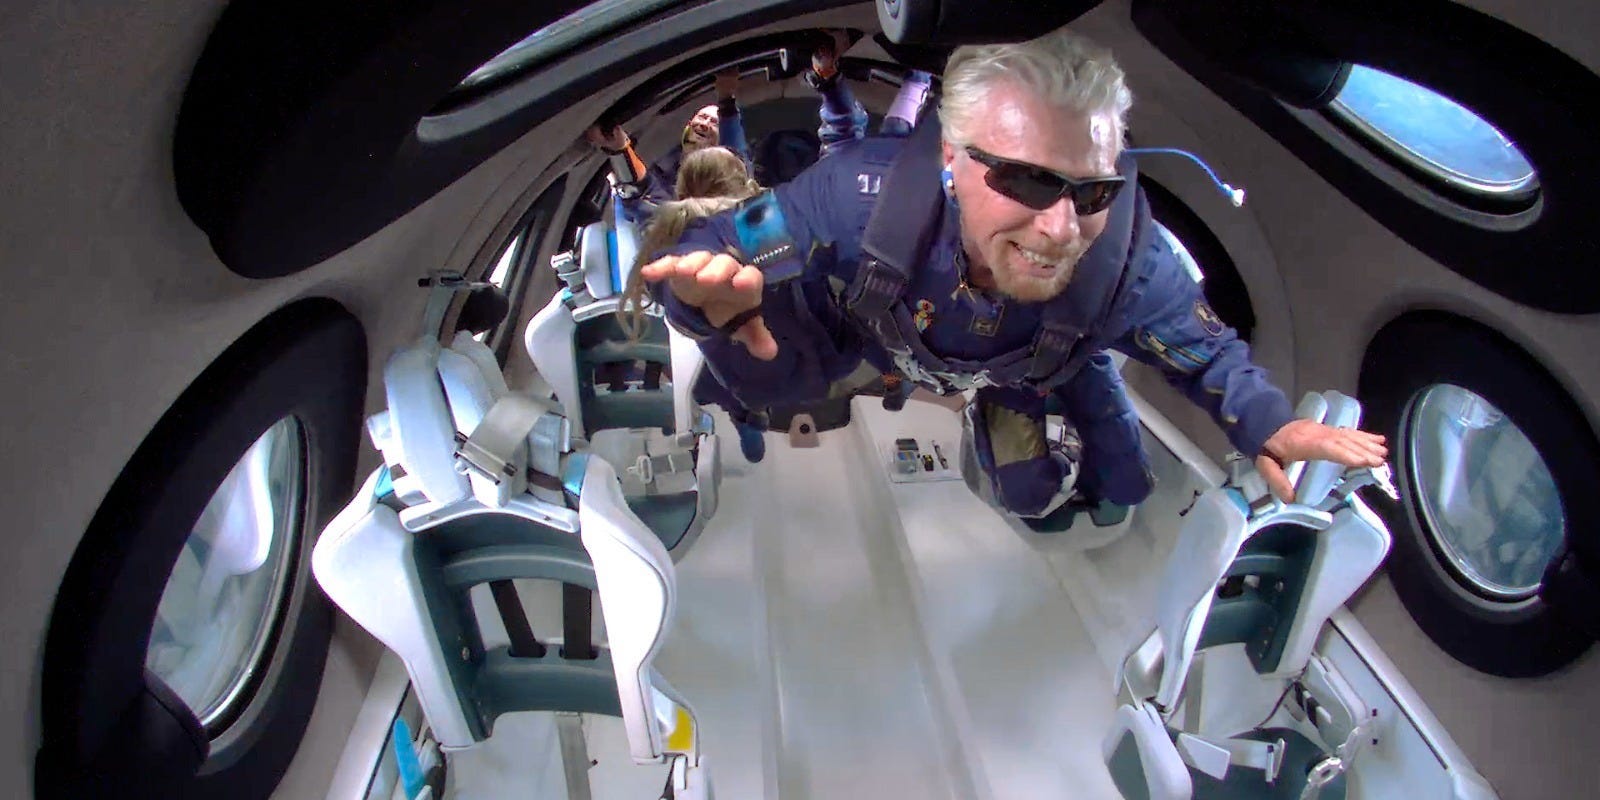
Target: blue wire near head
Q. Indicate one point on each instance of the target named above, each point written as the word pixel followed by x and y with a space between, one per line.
pixel 1235 196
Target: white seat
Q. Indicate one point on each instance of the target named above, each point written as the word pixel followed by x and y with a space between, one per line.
pixel 585 312
pixel 1326 551
pixel 399 568
pixel 1139 753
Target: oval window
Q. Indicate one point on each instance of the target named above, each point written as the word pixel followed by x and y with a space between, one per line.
pixel 1434 134
pixel 1486 496
pixel 1184 257
pixel 560 35
pixel 222 602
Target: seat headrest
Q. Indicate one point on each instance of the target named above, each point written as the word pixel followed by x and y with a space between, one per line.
pixel 595 252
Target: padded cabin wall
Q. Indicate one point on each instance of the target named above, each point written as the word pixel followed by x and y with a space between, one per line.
pixel 114 301
pixel 1329 276
pixel 1342 273
pixel 1570 26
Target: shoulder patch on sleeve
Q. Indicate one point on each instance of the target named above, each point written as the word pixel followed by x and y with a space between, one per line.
pixel 1209 321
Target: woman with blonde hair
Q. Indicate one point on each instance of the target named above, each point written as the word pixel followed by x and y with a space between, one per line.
pixel 710 180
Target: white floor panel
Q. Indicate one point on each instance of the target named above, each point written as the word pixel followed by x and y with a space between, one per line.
pixel 855 714
pixel 842 636
pixel 1035 698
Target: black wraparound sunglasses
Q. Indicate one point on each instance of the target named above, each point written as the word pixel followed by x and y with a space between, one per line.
pixel 1039 188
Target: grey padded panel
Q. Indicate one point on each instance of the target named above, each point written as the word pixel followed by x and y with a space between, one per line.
pixel 1243 783
pixel 1127 769
pixel 1260 617
pixel 631 409
pixel 668 515
pixel 552 683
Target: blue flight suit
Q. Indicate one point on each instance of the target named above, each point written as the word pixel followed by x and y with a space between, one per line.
pixel 1163 321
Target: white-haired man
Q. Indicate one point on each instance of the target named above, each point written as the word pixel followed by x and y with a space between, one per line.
pixel 1005 249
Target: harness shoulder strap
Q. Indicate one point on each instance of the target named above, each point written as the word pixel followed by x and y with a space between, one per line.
pixel 904 221
pixel 910 193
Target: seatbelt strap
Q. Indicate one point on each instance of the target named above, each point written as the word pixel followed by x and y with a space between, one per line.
pixel 577 623
pixel 524 644
pixel 495 455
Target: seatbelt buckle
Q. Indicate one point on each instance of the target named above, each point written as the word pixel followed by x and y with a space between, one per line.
pixel 644 469
pixel 474 458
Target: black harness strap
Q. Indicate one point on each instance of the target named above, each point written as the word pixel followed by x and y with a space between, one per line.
pixel 577 623
pixel 913 182
pixel 523 643
pixel 898 234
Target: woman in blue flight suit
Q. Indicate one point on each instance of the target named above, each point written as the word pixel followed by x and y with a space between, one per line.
pixel 843 120
pixel 1013 280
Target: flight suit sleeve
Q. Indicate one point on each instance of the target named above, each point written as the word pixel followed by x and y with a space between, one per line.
pixel 1173 328
pixel 816 345
pixel 730 128
pixel 843 117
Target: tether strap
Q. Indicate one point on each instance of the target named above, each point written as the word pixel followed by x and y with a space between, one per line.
pixel 738 321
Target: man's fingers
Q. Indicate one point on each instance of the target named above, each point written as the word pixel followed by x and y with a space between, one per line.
pixel 1355 451
pixel 690 265
pixel 720 271
pixel 757 339
pixel 1275 477
pixel 749 281
pixel 660 269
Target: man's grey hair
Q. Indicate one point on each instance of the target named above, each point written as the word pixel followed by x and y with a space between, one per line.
pixel 1065 70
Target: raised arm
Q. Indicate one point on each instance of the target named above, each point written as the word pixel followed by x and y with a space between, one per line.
pixel 751 285
pixel 636 185
pixel 730 124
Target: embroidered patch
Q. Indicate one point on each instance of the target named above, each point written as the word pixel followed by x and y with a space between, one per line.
pixel 988 324
pixel 924 316
pixel 1209 321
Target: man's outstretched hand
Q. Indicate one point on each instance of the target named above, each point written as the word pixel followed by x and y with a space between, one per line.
pixel 726 83
pixel 721 288
pixel 612 139
pixel 1304 440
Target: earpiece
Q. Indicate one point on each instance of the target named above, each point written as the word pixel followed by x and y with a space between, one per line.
pixel 947 179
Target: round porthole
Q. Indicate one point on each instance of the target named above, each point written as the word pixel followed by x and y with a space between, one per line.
pixel 1496 467
pixel 187 643
pixel 1485 496
pixel 230 584
pixel 1434 136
